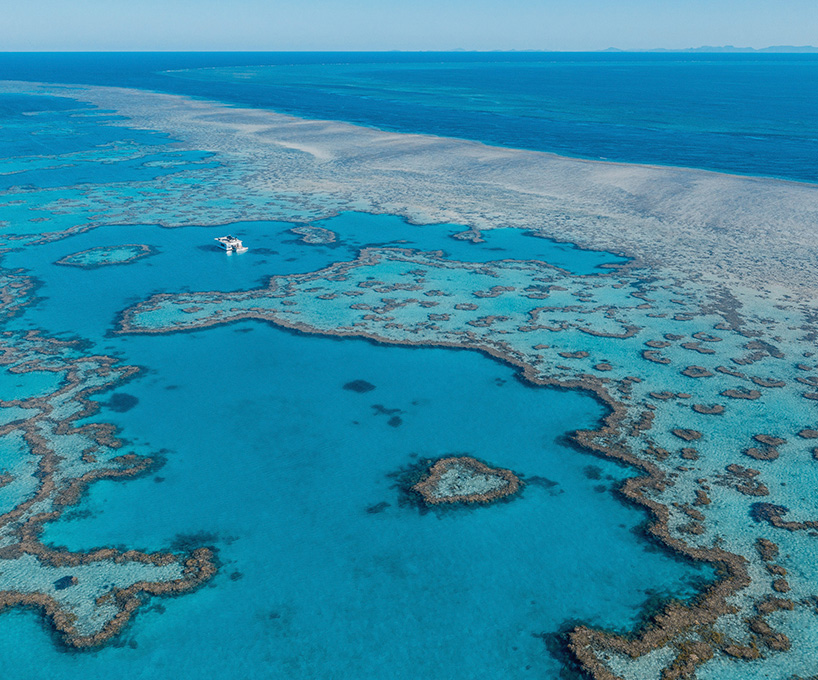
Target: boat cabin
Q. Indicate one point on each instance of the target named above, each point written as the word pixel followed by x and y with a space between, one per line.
pixel 231 244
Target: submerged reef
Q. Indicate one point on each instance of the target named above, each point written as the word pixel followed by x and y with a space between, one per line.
pixel 462 479
pixel 700 499
pixel 317 236
pixel 702 350
pixel 104 256
pixel 46 462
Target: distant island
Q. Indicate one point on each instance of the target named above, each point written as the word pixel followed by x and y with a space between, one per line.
pixel 775 49
pixel 704 49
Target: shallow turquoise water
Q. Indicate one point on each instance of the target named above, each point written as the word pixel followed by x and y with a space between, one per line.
pixel 280 464
pixel 41 125
pixel 361 229
pixel 325 573
pixel 89 171
pixel 188 259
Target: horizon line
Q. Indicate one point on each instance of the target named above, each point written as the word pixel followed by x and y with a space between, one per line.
pixel 706 49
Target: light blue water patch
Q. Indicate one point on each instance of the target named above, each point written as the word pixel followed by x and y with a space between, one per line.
pixel 28 385
pixel 104 256
pixel 41 125
pixel 325 573
pixel 363 229
pixel 30 212
pixel 187 258
pixel 18 471
pixel 65 173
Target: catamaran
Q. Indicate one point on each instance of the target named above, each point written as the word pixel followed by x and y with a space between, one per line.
pixel 231 244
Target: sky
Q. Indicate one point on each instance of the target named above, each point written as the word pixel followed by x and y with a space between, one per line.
pixel 285 25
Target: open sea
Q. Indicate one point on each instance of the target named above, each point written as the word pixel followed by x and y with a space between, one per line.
pixel 738 113
pixel 324 573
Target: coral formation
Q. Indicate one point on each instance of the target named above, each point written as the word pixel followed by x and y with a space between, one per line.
pixel 462 479
pixel 314 235
pixel 638 414
pixel 65 458
pixel 705 288
pixel 105 256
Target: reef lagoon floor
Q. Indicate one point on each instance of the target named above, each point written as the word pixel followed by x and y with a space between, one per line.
pixel 207 462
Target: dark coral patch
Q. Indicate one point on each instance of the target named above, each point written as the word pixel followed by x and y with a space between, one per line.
pixel 768 512
pixel 769 439
pixel 592 472
pixel 65 582
pixel 689 454
pixel 687 434
pixel 767 550
pixel 359 386
pixel 742 394
pixel 762 453
pixel 696 372
pixel 654 356
pixel 768 382
pixel 715 409
pixel 574 355
pixel 121 402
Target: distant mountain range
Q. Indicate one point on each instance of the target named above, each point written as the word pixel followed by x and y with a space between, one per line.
pixel 776 49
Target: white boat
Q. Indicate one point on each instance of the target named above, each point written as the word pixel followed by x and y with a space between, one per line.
pixel 231 244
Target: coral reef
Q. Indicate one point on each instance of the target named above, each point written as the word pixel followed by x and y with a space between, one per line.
pixel 643 416
pixel 105 256
pixel 314 235
pixel 462 479
pixel 705 288
pixel 87 596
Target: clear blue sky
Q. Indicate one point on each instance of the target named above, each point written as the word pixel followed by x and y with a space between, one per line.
pixel 404 24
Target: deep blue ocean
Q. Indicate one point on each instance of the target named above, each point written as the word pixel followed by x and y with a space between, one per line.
pixel 737 113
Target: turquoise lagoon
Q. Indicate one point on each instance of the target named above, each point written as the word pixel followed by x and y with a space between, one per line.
pixel 283 470
pixel 324 571
pixel 278 466
pixel 187 258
